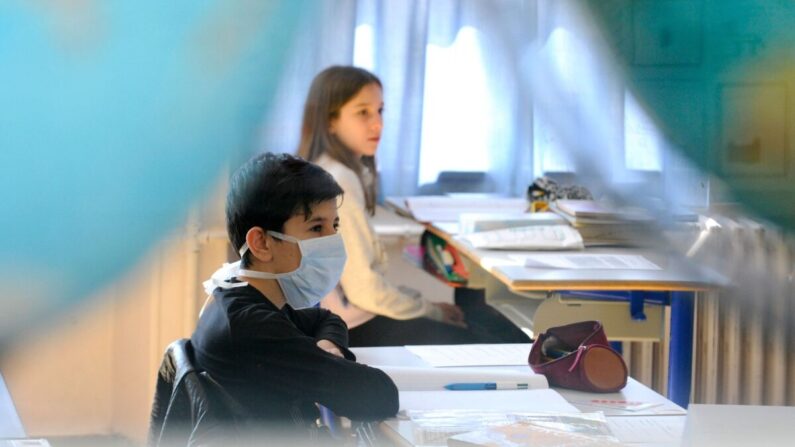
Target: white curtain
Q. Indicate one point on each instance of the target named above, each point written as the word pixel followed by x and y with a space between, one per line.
pixel 326 39
pixel 452 97
pixel 451 91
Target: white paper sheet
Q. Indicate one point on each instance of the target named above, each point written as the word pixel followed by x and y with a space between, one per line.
pixel 585 261
pixel 408 378
pixel 473 355
pixel 534 237
pixel 545 400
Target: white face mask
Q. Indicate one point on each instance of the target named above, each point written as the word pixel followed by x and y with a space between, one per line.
pixel 322 261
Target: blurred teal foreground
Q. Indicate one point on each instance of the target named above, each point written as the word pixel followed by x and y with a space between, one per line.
pixel 718 78
pixel 114 118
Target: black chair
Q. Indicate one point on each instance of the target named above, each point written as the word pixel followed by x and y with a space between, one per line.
pixel 190 408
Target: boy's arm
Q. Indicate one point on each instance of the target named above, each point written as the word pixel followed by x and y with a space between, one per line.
pixel 324 325
pixel 292 362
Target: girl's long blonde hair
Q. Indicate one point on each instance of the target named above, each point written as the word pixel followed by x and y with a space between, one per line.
pixel 330 90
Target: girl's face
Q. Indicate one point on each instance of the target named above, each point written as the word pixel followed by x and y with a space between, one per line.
pixel 359 123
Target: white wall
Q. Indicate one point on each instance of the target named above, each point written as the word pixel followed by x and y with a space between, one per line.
pixel 93 371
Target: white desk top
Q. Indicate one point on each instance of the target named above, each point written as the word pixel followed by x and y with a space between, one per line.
pixel 660 425
pixel 633 392
pixel 739 425
pixel 677 274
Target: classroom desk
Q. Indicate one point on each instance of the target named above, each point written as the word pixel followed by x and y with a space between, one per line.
pixel 679 277
pixel 400 431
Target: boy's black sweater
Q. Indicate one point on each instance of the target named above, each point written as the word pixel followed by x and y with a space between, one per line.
pixel 268 359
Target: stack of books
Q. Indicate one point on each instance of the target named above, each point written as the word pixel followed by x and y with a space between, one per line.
pixel 601 224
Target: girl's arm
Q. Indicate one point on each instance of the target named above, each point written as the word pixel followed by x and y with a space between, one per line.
pixel 362 279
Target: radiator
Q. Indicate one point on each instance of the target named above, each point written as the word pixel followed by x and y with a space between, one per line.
pixel 744 335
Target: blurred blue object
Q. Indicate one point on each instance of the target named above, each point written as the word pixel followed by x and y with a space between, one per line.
pixel 735 62
pixel 115 117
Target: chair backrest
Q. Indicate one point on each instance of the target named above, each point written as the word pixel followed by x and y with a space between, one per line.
pixel 190 408
pixel 459 181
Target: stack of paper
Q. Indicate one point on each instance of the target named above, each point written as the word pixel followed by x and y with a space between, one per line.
pixel 600 224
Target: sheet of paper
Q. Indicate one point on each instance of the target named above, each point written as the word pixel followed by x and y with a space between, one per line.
pixel 473 355
pixel 648 430
pixel 534 237
pixel 546 400
pixel 408 378
pixel 585 261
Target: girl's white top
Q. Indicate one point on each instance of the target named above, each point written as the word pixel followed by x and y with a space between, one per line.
pixel 364 291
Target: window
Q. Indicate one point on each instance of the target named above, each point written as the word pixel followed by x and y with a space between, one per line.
pixel 563 56
pixel 458 125
pixel 643 141
pixel 364 47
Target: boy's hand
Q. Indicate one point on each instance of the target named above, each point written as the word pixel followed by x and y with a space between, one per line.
pixel 329 347
pixel 452 314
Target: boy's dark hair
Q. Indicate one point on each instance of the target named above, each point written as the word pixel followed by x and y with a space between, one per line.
pixel 269 189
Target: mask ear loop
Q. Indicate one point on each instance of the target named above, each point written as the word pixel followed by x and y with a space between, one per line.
pixel 284 237
pixel 244 248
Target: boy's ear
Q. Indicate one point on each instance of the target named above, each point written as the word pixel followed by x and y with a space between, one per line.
pixel 259 244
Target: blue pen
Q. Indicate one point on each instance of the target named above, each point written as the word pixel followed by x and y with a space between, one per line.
pixel 486 386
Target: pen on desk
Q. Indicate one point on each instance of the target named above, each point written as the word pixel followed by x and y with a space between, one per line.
pixel 486 386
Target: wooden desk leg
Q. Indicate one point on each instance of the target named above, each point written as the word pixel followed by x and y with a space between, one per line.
pixel 680 358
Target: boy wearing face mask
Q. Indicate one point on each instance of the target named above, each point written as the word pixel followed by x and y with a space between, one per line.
pixel 261 337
